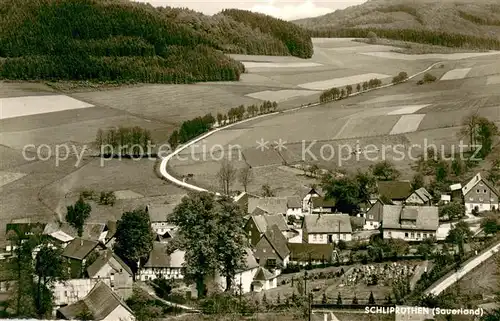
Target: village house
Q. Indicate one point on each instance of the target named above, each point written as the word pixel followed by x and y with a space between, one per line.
pixel 109 266
pixel 72 290
pixel 409 223
pixel 396 191
pixel 100 304
pixel 109 239
pixel 320 205
pixel 158 214
pixel 264 280
pixel 314 254
pixel 305 195
pixel 373 216
pixel 91 231
pixel 161 263
pixel 269 205
pixel 294 206
pixel 77 252
pixel 257 225
pixel 271 250
pixel 480 195
pixel 244 277
pixel 419 197
pixel 326 228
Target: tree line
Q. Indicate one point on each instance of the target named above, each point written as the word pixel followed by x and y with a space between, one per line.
pixel 438 38
pixel 124 141
pixel 132 42
pixel 192 128
pixel 336 94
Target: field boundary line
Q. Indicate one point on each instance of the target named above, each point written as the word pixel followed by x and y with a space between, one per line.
pixel 166 159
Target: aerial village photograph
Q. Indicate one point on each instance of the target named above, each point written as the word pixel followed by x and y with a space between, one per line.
pixel 209 160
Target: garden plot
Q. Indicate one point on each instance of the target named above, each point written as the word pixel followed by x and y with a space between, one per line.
pixel 33 105
pixel 452 56
pixel 456 74
pixel 407 124
pixel 281 95
pixel 493 80
pixel 407 109
pixel 9 177
pixel 341 82
pixel 442 119
pixel 371 126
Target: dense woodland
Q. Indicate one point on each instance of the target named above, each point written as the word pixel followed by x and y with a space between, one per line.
pixel 124 41
pixel 437 38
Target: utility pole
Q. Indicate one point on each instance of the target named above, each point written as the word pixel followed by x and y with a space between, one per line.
pixel 240 286
pixel 310 305
pixel 305 283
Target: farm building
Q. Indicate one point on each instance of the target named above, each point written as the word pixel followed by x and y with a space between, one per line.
pixel 410 223
pixel 70 291
pixel 319 205
pixel 480 195
pixel 77 252
pixel 158 214
pixel 109 265
pixel 396 191
pixel 272 250
pixel 91 231
pixel 326 228
pixel 307 253
pixel 257 225
pixel 419 197
pixel 102 303
pixel 305 195
pixel 161 263
pixel 294 206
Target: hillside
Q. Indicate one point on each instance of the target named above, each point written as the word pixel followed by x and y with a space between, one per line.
pixel 118 40
pixel 467 23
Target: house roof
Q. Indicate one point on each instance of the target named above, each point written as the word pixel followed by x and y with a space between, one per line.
pixel 100 301
pixel 263 275
pixel 250 261
pixel 111 226
pixel 322 202
pixel 61 236
pixel 104 258
pixel 425 217
pixel 423 194
pixel 258 211
pixel 293 202
pixel 160 212
pixel 305 251
pixel 79 248
pixel 395 190
pixel 306 190
pixel 375 211
pixel 455 187
pixel 327 223
pixel 91 231
pixel 277 241
pixel 474 181
pixel 263 222
pixel 446 197
pixel 160 258
pixel 271 205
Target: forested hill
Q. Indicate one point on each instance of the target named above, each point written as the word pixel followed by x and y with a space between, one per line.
pixel 118 40
pixel 454 23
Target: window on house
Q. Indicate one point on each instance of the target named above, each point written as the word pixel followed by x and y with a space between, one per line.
pixel 418 235
pixel 471 198
pixel 425 235
pixel 250 233
pixel 477 191
pixel 389 233
pixel 257 260
pixel 480 199
pixel 412 235
pixel 406 234
pixel 271 262
pixel 485 191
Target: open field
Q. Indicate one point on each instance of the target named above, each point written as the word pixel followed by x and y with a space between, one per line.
pixel 341 82
pixel 281 95
pixel 456 74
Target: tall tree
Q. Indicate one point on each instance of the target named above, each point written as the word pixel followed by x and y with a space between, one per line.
pixel 417 181
pixel 345 192
pixel 452 210
pixel 77 214
pixel 348 90
pixel 458 235
pixel 385 171
pixel 134 237
pixel 358 88
pixel 245 176
pixel 367 185
pixel 231 240
pixel 486 133
pixel 226 176
pixel 470 127
pixel 267 191
pixel 197 225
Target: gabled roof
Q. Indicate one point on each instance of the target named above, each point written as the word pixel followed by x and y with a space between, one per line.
pixel 100 301
pixel 424 217
pixel 455 187
pixel 263 275
pixel 322 202
pixel 306 190
pixel 375 211
pixel 423 194
pixel 474 181
pixel 302 252
pixel 327 223
pixel 91 231
pixel 258 211
pixel 271 205
pixel 104 258
pixel 293 202
pixel 111 226
pixel 277 241
pixel 264 222
pixel 79 248
pixel 159 212
pixel 160 258
pixel 250 261
pixel 395 190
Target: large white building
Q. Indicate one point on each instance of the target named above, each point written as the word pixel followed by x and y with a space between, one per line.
pixel 480 194
pixel 158 214
pixel 409 223
pixel 326 228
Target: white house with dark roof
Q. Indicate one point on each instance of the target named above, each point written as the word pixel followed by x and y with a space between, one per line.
pixel 419 197
pixel 326 228
pixel 294 206
pixel 409 223
pixel 162 263
pixel 244 276
pixel 264 280
pixel 480 194
pixel 373 216
pixel 102 303
pixel 305 195
pixel 320 205
pixel 158 214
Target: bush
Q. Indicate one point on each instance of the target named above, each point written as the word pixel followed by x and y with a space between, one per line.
pixel 429 78
pixel 107 198
pixel 88 195
pixel 402 76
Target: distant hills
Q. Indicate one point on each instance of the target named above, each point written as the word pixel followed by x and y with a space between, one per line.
pixel 468 23
pixel 122 41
